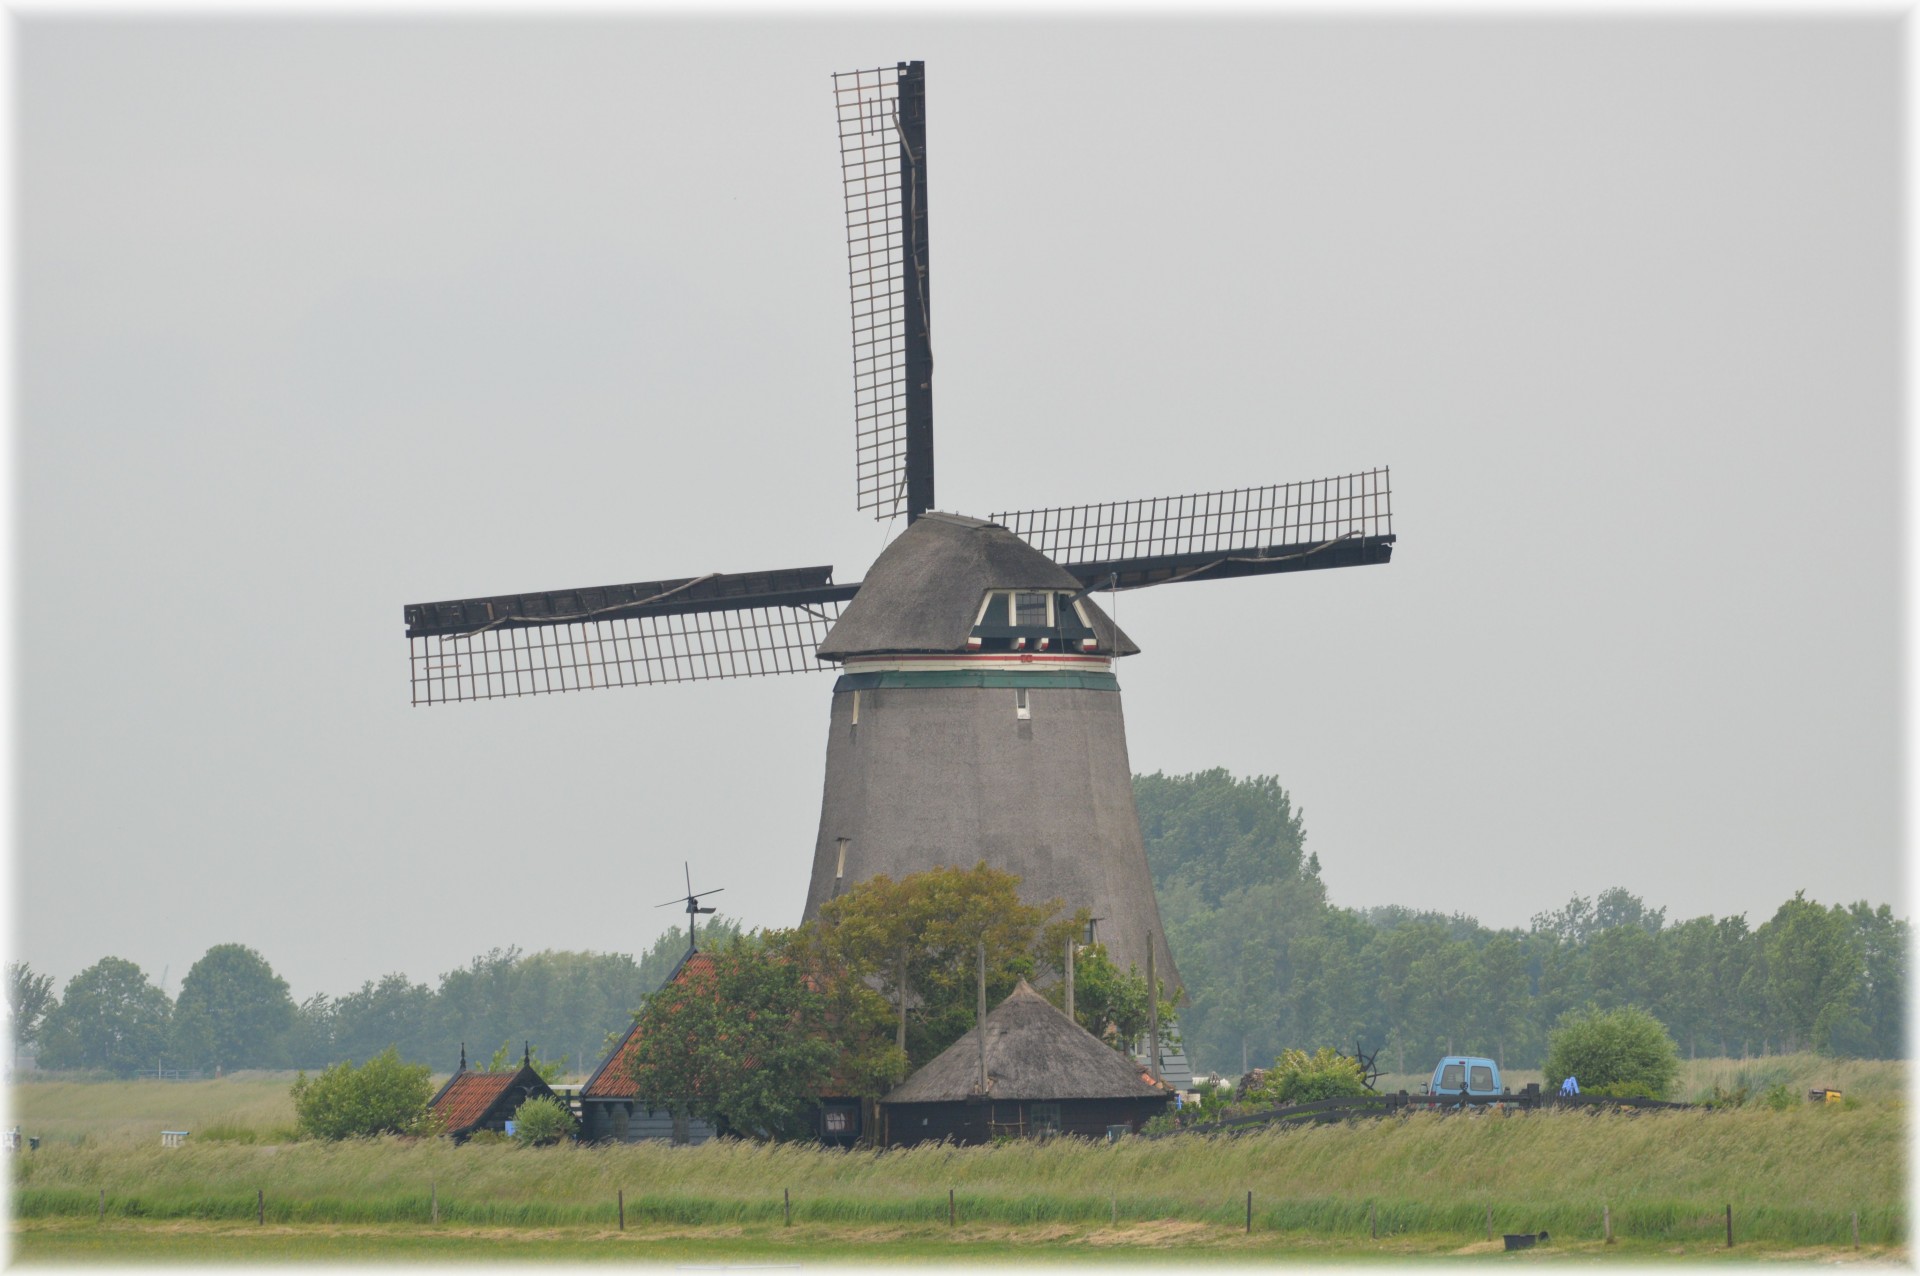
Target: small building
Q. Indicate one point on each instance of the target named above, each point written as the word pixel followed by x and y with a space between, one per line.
pixel 471 1101
pixel 1045 1074
pixel 609 1107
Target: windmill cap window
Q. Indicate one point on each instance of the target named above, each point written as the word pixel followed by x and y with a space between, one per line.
pixel 1031 620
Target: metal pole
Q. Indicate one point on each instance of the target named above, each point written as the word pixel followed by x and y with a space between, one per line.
pixel 980 1023
pixel 1153 1014
pixel 1069 970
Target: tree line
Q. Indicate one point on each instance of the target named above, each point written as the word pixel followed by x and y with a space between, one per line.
pixel 233 1011
pixel 1269 963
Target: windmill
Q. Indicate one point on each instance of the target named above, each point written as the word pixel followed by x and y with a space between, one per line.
pixel 976 715
pixel 691 902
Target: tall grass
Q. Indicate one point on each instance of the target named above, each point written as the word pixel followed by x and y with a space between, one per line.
pixel 1792 1177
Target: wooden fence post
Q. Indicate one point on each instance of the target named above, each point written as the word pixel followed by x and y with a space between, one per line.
pixel 1373 1219
pixel 1606 1223
pixel 103 1205
pixel 1249 1213
pixel 1113 1205
pixel 1489 1222
pixel 621 1198
pixel 953 1214
pixel 1729 1226
pixel 786 1195
pixel 261 1202
pixel 433 1200
pixel 1856 1229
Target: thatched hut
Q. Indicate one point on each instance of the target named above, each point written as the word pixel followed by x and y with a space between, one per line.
pixel 1045 1074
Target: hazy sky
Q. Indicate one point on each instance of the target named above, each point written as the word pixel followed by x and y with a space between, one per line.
pixel 314 320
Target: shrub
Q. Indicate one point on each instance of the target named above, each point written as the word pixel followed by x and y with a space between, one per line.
pixel 1779 1097
pixel 381 1096
pixel 1611 1049
pixel 542 1120
pixel 1299 1077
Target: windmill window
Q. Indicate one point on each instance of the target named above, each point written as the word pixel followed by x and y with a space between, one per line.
pixel 838 1120
pixel 1030 610
pixel 1021 708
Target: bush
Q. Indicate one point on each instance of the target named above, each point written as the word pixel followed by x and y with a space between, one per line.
pixel 381 1096
pixel 542 1120
pixel 1299 1077
pixel 1618 1052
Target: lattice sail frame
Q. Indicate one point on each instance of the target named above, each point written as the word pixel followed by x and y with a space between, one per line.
pixel 1248 520
pixel 628 651
pixel 868 105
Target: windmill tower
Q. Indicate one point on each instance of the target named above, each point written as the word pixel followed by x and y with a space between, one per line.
pixel 977 714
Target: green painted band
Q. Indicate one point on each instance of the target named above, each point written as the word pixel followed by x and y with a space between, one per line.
pixel 889 679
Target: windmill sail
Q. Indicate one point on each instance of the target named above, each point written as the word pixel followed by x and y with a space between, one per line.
pixel 1344 521
pixel 687 630
pixel 883 153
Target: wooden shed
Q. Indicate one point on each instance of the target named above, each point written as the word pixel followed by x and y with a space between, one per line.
pixel 472 1100
pixel 1045 1074
pixel 611 1112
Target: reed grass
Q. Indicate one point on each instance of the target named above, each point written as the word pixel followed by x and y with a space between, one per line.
pixel 1793 1177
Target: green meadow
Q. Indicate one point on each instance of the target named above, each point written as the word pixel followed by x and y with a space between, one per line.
pixel 101 1188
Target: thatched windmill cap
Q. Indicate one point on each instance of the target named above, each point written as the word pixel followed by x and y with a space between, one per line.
pixel 924 590
pixel 1033 1052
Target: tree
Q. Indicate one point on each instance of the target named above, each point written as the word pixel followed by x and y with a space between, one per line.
pixel 744 1042
pixel 233 1012
pixel 1107 1001
pixel 381 1096
pixel 1812 969
pixel 29 997
pixel 548 1070
pixel 1299 1077
pixel 933 922
pixel 394 1013
pixel 1880 940
pixel 1619 1052
pixel 109 1017
pixel 1218 832
pixel 541 1120
pixel 310 1042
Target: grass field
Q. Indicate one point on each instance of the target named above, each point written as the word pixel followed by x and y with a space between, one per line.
pixel 1794 1179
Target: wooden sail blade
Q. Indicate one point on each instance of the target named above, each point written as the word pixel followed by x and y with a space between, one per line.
pixel 882 120
pixel 1344 521
pixel 687 630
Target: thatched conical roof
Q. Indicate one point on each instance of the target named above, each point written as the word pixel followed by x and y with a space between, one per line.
pixel 1033 1052
pixel 923 592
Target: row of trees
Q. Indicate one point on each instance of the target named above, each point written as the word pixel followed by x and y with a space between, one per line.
pixel 234 1012
pixel 1269 963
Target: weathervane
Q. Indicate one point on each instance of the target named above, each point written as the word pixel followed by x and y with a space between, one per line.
pixel 692 903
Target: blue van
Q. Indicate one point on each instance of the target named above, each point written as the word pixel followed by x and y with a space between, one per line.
pixel 1462 1076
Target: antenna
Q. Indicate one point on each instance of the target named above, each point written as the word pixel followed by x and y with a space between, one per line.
pixel 692 902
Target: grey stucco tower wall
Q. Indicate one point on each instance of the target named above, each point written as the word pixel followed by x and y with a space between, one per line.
pixel 944 754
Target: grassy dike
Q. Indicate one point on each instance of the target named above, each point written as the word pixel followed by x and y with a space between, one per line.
pixel 1794 1179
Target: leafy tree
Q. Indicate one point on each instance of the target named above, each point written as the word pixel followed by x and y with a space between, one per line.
pixel 29 997
pixel 745 1042
pixel 392 1014
pixel 932 922
pixel 1220 833
pixel 1107 1001
pixel 1624 1050
pixel 657 963
pixel 109 1017
pixel 1299 1077
pixel 1880 940
pixel 1812 969
pixel 548 1070
pixel 381 1096
pixel 542 1120
pixel 310 1042
pixel 233 1011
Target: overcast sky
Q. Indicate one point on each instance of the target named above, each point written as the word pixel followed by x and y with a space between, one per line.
pixel 314 320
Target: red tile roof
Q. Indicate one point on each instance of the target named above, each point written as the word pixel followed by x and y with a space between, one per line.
pixel 613 1079
pixel 464 1100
